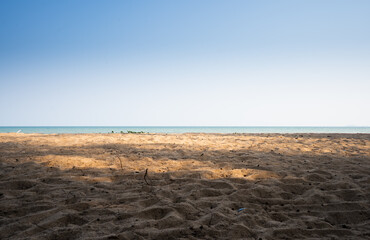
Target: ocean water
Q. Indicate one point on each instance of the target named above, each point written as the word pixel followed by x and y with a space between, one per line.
pixel 107 129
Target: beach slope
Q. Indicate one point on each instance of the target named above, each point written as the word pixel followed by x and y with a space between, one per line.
pixel 184 186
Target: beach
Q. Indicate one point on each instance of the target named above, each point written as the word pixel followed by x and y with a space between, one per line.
pixel 184 186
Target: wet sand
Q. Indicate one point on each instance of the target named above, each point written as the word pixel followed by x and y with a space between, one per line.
pixel 185 186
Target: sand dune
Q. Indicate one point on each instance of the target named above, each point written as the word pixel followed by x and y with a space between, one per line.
pixel 185 186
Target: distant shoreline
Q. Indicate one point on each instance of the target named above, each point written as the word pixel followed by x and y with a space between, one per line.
pixel 179 129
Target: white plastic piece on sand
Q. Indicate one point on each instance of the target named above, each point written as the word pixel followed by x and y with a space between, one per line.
pixel 19 131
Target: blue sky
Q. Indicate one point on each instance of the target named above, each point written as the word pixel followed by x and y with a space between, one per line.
pixel 185 63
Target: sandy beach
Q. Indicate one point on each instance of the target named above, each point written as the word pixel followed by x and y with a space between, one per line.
pixel 184 186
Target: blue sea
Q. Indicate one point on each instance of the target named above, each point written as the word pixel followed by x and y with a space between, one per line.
pixel 107 129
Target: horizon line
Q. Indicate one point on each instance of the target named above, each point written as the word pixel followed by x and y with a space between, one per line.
pixel 176 126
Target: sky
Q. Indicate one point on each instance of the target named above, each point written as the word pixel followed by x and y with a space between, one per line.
pixel 185 63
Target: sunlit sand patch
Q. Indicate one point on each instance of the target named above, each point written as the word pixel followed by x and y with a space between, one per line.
pixel 207 169
pixel 69 162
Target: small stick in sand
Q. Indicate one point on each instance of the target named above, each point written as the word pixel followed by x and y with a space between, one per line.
pixel 145 175
pixel 120 160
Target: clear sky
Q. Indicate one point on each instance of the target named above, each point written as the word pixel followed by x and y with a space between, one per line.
pixel 185 63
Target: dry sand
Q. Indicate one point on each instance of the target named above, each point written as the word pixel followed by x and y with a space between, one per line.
pixel 198 186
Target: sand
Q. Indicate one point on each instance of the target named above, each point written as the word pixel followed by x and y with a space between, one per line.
pixel 184 186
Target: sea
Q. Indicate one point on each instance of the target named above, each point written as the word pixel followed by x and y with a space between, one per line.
pixel 179 129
